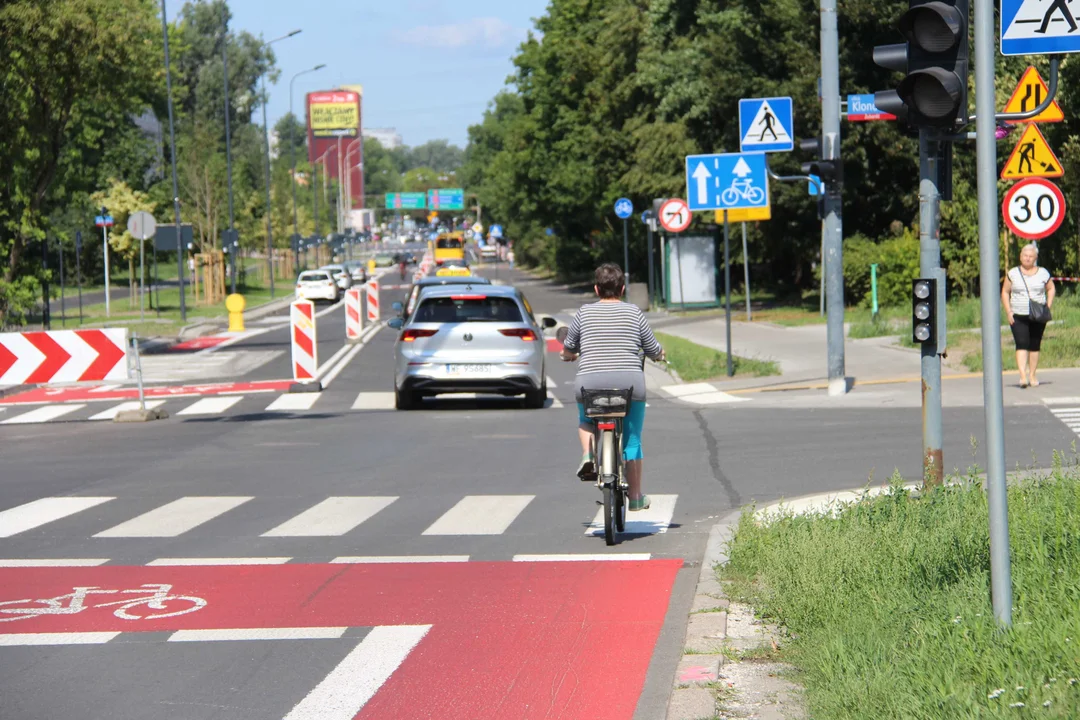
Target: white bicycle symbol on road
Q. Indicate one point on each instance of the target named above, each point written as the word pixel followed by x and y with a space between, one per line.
pixel 154 597
pixel 742 189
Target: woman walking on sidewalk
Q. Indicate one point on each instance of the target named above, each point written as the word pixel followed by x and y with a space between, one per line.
pixel 1028 294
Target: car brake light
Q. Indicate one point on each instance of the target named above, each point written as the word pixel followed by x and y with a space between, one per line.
pixel 524 333
pixel 411 335
pixel 606 425
pixel 466 297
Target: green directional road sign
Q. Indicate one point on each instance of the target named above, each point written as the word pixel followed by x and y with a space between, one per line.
pixel 405 201
pixel 446 199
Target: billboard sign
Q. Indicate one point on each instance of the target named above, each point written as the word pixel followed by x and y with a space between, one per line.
pixel 334 114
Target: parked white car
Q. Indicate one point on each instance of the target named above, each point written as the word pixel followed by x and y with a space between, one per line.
pixel 317 285
pixel 341 275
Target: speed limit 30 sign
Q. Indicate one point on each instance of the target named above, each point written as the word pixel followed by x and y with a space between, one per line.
pixel 1034 208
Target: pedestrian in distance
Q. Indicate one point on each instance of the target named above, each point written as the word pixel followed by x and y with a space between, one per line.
pixel 1028 294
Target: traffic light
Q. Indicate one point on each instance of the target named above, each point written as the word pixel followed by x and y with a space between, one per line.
pixel 934 59
pixel 831 172
pixel 928 311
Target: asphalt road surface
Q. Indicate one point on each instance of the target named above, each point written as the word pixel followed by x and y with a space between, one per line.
pixel 347 560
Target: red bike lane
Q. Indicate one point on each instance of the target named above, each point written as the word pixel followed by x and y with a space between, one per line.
pixel 507 640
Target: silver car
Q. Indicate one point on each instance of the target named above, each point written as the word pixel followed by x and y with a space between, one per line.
pixel 470 339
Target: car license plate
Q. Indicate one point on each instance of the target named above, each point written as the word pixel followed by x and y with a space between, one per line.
pixel 468 369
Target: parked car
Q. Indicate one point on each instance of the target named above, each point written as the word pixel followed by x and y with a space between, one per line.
pixel 384 259
pixel 341 275
pixel 358 270
pixel 472 339
pixel 317 285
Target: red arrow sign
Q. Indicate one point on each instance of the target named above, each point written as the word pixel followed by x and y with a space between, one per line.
pixel 55 357
pixel 109 354
pixel 7 359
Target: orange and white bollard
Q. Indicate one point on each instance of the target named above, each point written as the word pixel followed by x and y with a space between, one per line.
pixel 373 300
pixel 305 347
pixel 354 318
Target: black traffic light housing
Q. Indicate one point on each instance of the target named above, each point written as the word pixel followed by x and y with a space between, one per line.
pixel 935 60
pixel 928 311
pixel 831 172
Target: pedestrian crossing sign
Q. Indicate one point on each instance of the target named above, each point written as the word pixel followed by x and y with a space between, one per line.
pixel 1029 94
pixel 1038 27
pixel 766 125
pixel 1032 157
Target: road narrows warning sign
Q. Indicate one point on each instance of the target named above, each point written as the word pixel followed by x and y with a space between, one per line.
pixel 1032 157
pixel 1028 95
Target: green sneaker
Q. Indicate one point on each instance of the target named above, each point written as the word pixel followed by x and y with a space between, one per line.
pixel 642 503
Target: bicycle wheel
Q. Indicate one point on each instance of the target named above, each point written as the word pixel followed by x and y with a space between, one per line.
pixel 755 195
pixel 620 497
pixel 197 603
pixel 609 476
pixel 730 196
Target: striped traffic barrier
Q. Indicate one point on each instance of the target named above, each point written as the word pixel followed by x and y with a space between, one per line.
pixel 354 318
pixel 32 358
pixel 373 300
pixel 305 347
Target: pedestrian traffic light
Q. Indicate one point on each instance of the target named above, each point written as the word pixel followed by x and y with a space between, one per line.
pixel 831 172
pixel 928 311
pixel 934 59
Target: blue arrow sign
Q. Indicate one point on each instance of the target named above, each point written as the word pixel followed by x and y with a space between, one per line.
pixel 624 208
pixel 1034 27
pixel 766 125
pixel 727 181
pixel 815 187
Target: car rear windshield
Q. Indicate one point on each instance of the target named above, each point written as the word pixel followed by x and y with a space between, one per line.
pixel 468 308
pixel 446 243
pixel 314 277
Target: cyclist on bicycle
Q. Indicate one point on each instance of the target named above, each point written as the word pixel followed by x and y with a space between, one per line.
pixel 612 338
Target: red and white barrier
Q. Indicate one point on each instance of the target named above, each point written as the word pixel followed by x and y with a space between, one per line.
pixel 373 300
pixel 354 318
pixel 58 356
pixel 305 346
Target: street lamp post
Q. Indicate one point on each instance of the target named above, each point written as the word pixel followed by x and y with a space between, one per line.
pixel 266 146
pixel 229 239
pixel 175 183
pixel 292 143
pixel 315 190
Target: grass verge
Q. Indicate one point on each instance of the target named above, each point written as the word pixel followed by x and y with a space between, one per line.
pixel 887 602
pixel 696 362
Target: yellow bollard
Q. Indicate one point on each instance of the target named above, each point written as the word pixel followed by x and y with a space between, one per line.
pixel 235 305
pixel 371 265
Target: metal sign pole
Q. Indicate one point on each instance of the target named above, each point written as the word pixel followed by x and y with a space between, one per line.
pixel 652 286
pixel 78 269
pixel 105 246
pixel 746 271
pixel 63 309
pixel 986 149
pixel 46 317
pixel 142 277
pixel 833 238
pixel 626 251
pixel 727 294
pixel 929 262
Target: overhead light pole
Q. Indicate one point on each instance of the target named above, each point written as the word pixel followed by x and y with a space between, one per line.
pixel 175 184
pixel 230 235
pixel 292 143
pixel 266 145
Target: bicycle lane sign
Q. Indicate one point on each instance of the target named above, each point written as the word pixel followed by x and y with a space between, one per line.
pixel 497 637
pixel 727 181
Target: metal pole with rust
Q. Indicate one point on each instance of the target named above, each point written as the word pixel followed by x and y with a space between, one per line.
pixel 929 265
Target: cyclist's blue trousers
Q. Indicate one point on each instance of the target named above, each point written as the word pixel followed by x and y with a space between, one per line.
pixel 632 425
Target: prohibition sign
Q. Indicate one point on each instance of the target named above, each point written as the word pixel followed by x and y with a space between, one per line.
pixel 675 215
pixel 1034 208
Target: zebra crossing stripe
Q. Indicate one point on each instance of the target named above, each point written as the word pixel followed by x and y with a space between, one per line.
pixel 112 412
pixel 655 520
pixel 71 638
pixel 42 414
pixel 394 559
pixel 213 562
pixel 294 401
pixel 227 634
pixel 374 401
pixel 211 405
pixel 46 510
pixel 174 518
pixel 332 517
pixel 480 515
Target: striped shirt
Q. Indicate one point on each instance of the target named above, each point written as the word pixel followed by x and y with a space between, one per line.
pixel 1018 298
pixel 611 337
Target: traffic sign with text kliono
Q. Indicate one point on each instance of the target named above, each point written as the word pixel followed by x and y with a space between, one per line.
pixel 861 108
pixel 1038 27
pixel 1028 95
pixel 1034 208
pixel 727 181
pixel 766 125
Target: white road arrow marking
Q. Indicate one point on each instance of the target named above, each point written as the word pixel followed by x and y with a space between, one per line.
pixel 742 169
pixel 702 175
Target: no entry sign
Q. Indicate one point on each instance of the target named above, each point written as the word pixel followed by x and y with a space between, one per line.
pixel 1034 208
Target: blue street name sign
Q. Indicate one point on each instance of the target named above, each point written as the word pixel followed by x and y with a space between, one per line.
pixel 1035 27
pixel 861 108
pixel 766 125
pixel 624 208
pixel 103 220
pixel 727 181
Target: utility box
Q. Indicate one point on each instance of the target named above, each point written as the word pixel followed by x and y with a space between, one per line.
pixel 690 271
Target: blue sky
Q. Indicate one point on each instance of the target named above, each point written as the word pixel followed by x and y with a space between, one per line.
pixel 428 67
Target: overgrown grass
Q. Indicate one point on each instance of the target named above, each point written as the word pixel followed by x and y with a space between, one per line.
pixel 887 602
pixel 696 362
